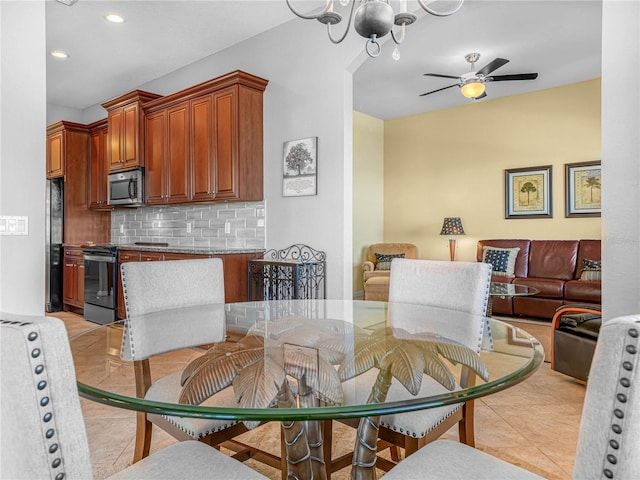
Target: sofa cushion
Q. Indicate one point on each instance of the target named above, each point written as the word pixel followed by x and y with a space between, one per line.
pixel 522 260
pixel 548 287
pixel 583 291
pixel 591 270
pixel 589 249
pixel 383 260
pixel 553 259
pixel 503 260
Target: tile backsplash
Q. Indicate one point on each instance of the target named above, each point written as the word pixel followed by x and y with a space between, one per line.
pixel 219 226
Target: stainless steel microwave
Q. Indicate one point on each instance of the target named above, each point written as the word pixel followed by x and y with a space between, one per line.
pixel 126 188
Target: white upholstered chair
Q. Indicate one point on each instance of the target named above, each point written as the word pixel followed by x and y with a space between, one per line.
pixel 160 286
pixel 43 433
pixel 462 286
pixel 609 439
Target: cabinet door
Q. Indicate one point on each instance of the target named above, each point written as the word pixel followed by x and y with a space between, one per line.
pixel 115 139
pixel 202 159
pixel 226 143
pixel 80 283
pixel 155 144
pixel 98 171
pixel 55 155
pixel 124 257
pixel 177 159
pixel 130 133
pixel 69 281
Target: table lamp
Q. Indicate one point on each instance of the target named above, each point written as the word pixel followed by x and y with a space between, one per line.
pixel 452 226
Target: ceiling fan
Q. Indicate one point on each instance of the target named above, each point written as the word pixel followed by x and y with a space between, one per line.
pixel 472 84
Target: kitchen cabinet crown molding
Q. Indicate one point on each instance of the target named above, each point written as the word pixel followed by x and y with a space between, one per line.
pixel 237 77
pixel 134 96
pixel 67 126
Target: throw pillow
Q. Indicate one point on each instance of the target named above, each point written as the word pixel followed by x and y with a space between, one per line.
pixel 383 261
pixel 591 270
pixel 503 260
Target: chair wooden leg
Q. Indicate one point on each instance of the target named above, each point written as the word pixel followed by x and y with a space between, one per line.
pixel 465 426
pixel 143 437
pixel 395 455
pixel 327 437
pixel 284 466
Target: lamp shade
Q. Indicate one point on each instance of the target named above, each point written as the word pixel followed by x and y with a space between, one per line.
pixel 452 226
pixel 472 89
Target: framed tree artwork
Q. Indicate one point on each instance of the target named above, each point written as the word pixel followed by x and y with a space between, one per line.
pixel 299 167
pixel 528 192
pixel 583 184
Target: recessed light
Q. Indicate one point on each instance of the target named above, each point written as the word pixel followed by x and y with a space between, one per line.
pixel 59 54
pixel 114 18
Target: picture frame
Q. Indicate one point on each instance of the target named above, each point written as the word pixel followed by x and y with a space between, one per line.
pixel 583 189
pixel 299 167
pixel 528 192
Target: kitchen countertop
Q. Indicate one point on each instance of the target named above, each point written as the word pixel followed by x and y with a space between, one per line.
pixel 180 249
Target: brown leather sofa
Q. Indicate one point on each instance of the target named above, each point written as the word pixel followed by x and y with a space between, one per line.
pixel 554 267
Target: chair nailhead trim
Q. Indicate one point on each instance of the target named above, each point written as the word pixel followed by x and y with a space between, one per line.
pixel 38 362
pixel 620 402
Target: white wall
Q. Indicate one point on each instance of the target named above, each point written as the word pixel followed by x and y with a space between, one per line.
pixel 620 158
pixel 309 94
pixel 22 153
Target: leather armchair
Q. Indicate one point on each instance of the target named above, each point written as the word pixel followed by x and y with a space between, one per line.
pixel 376 282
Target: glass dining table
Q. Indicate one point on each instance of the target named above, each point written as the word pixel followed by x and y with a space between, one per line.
pixel 308 360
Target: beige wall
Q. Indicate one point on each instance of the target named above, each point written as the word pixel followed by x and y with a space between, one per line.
pixel 450 163
pixel 368 186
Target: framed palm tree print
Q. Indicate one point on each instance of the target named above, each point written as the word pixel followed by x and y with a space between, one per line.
pixel 583 185
pixel 528 192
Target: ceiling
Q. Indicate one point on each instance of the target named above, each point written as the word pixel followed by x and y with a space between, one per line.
pixel 561 40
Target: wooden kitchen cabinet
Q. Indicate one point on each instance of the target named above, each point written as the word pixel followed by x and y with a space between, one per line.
pixel 124 256
pixel 68 144
pixel 234 267
pixel 167 151
pixel 55 154
pixel 73 279
pixel 64 139
pixel 99 169
pixel 215 131
pixel 125 124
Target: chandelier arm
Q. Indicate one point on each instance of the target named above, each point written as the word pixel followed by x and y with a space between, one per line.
pixel 400 38
pixel 440 14
pixel 346 31
pixel 307 17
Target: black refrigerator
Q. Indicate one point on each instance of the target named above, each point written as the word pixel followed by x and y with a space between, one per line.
pixel 54 229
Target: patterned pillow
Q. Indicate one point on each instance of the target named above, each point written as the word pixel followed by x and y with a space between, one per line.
pixel 503 260
pixel 591 270
pixel 383 261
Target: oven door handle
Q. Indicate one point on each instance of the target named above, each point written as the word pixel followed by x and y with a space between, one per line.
pixel 100 258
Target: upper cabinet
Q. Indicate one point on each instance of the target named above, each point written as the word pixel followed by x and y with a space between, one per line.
pixel 64 139
pixel 98 167
pixel 205 143
pixel 125 119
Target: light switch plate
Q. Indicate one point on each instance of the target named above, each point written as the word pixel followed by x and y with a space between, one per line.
pixel 12 225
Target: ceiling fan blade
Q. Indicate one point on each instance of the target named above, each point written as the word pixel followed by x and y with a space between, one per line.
pixel 491 66
pixel 440 89
pixel 440 75
pixel 518 76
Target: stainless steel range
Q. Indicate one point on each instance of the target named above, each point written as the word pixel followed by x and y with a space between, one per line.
pixel 100 283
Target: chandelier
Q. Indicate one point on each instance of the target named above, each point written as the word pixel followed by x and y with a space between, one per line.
pixel 373 19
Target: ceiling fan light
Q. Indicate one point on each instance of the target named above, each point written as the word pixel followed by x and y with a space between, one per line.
pixel 472 89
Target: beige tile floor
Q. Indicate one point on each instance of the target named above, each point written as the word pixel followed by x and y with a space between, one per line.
pixel 534 424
